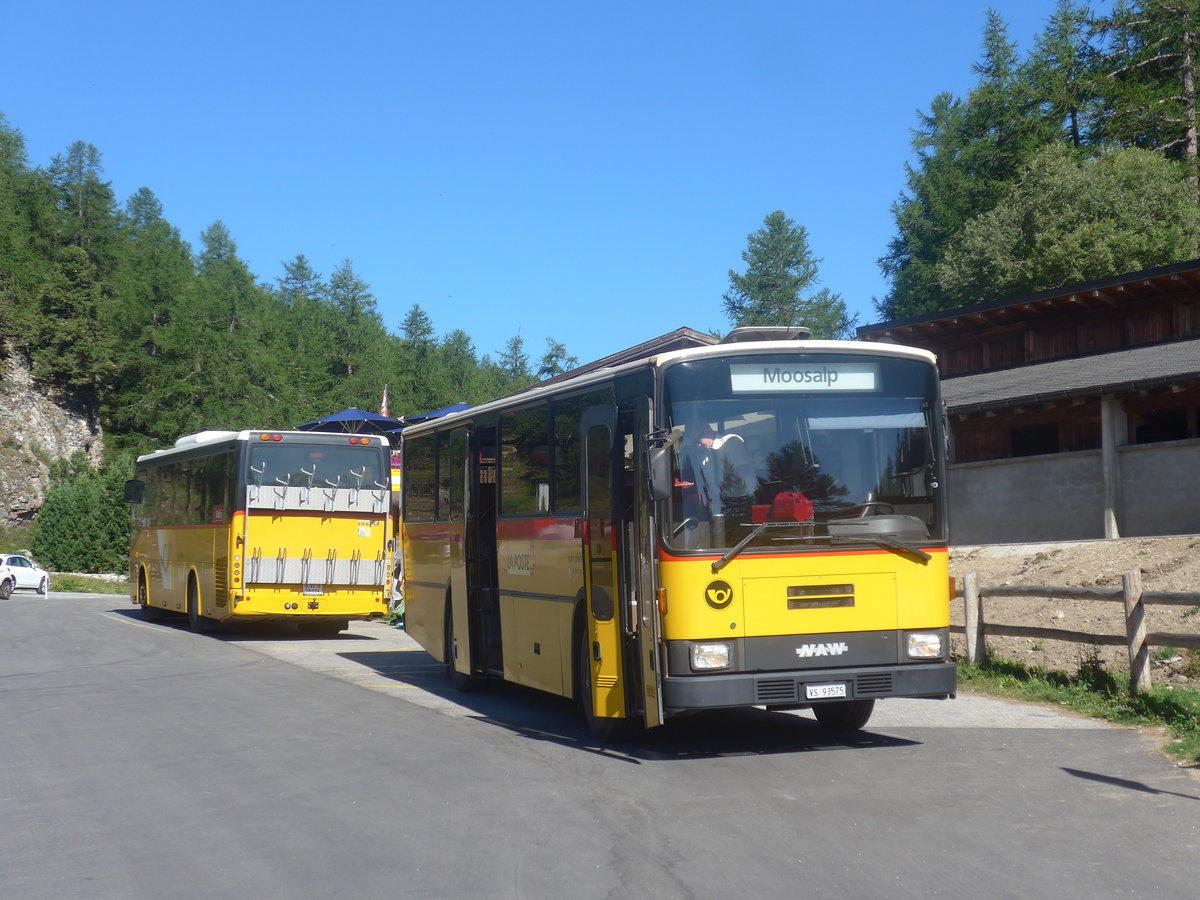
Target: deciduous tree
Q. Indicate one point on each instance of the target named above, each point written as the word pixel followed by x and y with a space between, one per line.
pixel 1071 218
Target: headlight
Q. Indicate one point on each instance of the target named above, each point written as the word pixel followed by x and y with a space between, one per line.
pixel 925 645
pixel 710 656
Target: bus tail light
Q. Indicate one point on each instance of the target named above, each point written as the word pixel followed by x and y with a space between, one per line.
pixel 661 594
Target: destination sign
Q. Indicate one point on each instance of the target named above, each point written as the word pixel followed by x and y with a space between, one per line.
pixel 807 375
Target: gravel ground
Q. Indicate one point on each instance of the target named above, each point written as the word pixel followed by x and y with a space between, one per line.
pixel 1169 564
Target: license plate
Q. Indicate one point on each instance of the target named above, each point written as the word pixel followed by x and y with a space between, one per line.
pixel 824 691
pixel 313 590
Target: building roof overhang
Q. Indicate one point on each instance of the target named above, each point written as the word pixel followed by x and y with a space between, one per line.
pixel 1120 371
pixel 1102 292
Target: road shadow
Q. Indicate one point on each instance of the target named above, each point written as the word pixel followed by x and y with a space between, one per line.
pixel 1126 784
pixel 241 630
pixel 535 715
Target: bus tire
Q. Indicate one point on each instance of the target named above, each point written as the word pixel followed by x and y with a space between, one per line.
pixel 195 620
pixel 149 613
pixel 468 684
pixel 844 715
pixel 602 728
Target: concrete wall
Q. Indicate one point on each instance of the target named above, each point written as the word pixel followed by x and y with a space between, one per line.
pixel 1160 489
pixel 1060 497
pixel 1033 498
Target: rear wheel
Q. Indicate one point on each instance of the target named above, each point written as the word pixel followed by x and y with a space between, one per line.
pixel 844 715
pixel 602 728
pixel 6 588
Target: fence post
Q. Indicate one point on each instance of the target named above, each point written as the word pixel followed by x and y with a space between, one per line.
pixel 1135 629
pixel 973 607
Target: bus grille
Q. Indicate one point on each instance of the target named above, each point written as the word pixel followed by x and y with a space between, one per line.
pixel 221 581
pixel 874 684
pixel 787 690
pixel 778 690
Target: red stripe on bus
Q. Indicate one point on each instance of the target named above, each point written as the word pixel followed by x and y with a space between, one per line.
pixel 556 529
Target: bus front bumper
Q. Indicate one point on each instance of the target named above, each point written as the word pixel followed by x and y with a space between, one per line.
pixel 936 681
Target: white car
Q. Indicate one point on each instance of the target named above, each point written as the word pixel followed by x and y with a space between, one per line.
pixel 21 573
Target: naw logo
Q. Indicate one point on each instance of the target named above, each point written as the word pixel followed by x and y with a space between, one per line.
pixel 837 648
pixel 719 594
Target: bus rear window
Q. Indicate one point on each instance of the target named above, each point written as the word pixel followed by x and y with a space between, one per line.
pixel 317 465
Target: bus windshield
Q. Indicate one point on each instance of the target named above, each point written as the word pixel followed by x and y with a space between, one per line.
pixel 800 461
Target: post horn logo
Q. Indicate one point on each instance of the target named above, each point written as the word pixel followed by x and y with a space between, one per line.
pixel 719 594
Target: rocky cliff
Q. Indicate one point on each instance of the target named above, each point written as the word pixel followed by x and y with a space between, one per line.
pixel 37 427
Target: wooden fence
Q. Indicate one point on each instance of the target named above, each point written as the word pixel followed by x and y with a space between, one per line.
pixel 1136 639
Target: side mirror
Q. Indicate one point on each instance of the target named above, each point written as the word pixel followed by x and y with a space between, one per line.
pixel 659 473
pixel 135 491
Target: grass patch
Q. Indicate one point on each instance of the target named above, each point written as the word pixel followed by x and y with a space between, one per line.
pixel 14 538
pixel 85 584
pixel 1096 692
pixel 395 614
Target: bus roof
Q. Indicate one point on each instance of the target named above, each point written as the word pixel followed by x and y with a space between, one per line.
pixel 565 385
pixel 194 444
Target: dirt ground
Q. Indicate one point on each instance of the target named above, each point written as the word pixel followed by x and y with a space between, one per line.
pixel 1167 564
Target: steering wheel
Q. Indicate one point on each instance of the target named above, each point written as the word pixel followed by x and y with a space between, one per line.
pixel 881 508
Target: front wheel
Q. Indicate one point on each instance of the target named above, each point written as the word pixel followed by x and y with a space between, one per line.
pixel 844 715
pixel 43 587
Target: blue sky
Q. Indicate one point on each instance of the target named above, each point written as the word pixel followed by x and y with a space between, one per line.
pixel 582 171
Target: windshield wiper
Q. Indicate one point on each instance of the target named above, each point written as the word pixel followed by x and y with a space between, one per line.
pixel 881 541
pixel 759 529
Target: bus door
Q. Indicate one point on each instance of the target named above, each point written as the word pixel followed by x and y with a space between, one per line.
pixel 637 552
pixel 481 546
pixel 601 621
pixel 452 497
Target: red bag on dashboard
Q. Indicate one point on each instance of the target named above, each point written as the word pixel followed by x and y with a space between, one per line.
pixel 793 506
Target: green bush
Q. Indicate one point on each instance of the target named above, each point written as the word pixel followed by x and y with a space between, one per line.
pixel 84 524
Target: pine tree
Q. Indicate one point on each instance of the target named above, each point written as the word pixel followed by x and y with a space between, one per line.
pixel 153 275
pixel 1153 51
pixel 555 361
pixel 458 361
pixel 361 363
pixel 967 155
pixel 779 286
pixel 90 216
pixel 1062 72
pixel 74 347
pixel 513 358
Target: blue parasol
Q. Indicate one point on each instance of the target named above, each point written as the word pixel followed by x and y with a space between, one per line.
pixel 353 421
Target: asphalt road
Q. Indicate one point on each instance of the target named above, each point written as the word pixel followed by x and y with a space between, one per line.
pixel 143 761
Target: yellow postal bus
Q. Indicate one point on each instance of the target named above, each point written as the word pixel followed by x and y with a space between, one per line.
pixel 758 522
pixel 256 524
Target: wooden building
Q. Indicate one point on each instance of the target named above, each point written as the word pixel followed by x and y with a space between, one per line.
pixel 1088 373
